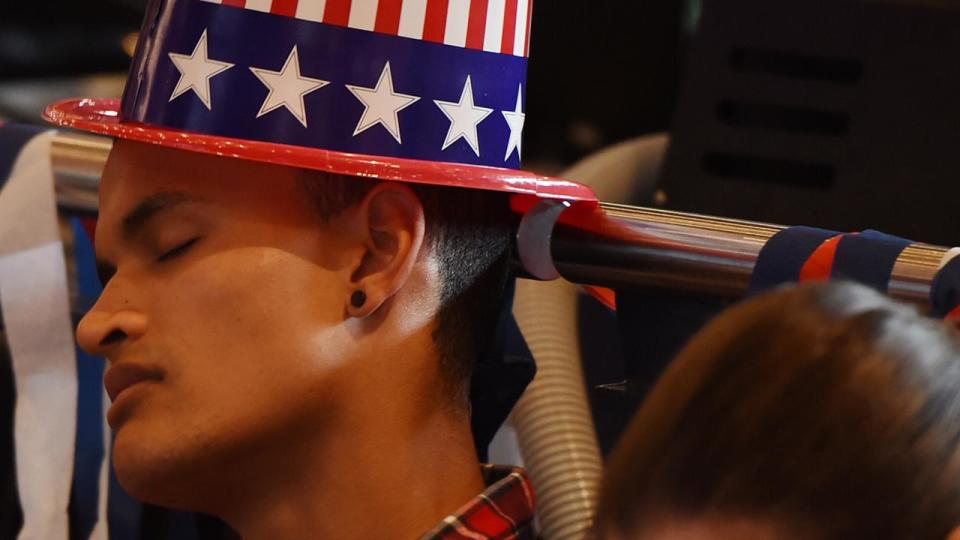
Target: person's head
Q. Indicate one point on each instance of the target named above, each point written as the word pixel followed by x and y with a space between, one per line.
pixel 232 285
pixel 814 412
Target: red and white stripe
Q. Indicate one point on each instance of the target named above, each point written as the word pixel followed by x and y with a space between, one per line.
pixel 501 26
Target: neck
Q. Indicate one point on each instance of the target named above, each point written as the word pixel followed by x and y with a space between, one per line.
pixel 383 476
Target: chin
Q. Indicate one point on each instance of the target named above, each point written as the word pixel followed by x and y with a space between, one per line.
pixel 154 472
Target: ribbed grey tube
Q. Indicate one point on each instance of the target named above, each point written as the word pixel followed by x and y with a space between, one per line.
pixel 552 419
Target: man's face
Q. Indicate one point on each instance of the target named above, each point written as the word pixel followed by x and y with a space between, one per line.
pixel 226 300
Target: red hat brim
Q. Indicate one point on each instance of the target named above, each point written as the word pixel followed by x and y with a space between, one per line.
pixel 102 116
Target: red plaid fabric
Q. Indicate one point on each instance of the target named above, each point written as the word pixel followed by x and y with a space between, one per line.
pixel 503 512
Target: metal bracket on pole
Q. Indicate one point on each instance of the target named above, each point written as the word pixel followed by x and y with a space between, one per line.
pixel 534 235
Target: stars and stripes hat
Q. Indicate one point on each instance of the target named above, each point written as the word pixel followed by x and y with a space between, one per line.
pixel 426 91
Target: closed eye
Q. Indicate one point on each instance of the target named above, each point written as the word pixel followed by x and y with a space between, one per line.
pixel 177 251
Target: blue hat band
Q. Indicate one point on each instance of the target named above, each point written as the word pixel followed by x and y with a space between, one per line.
pixel 238 73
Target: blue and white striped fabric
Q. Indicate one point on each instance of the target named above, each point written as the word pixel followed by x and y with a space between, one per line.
pixel 91 468
pixel 36 315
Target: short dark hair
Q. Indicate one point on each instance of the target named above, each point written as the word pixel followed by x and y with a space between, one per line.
pixel 828 408
pixel 469 233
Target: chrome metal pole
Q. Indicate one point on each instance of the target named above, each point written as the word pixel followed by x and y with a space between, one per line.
pixel 78 162
pixel 690 252
pixel 661 249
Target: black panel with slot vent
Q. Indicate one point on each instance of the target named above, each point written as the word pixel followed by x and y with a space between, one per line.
pixel 841 114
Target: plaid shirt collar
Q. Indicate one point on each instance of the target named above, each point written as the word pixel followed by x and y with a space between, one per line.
pixel 503 512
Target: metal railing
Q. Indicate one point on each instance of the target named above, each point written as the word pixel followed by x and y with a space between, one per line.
pixel 652 249
pixel 78 161
pixel 703 254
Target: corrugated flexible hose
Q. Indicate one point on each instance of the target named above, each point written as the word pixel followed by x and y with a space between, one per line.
pixel 552 419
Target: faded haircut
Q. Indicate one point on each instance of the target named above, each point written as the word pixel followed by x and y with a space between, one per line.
pixel 468 233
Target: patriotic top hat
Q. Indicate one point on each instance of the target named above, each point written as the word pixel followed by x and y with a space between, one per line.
pixel 426 91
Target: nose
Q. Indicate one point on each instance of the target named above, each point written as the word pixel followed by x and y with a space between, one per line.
pixel 104 329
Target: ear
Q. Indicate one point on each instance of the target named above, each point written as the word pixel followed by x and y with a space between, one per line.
pixel 391 226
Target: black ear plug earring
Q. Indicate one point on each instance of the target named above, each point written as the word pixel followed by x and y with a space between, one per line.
pixel 358 299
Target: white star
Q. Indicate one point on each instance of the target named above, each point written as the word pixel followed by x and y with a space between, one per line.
pixel 287 87
pixel 515 119
pixel 196 70
pixel 464 117
pixel 381 104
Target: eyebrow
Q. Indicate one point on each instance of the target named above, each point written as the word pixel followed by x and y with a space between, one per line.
pixel 138 218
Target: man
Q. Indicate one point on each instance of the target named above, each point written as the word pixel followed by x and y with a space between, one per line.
pixel 290 345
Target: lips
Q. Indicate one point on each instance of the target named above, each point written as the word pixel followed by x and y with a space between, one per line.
pixel 119 377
